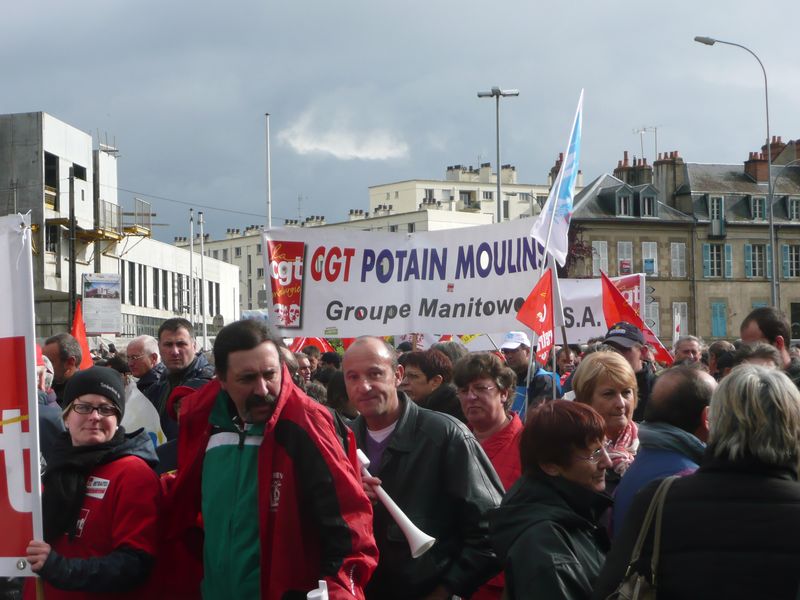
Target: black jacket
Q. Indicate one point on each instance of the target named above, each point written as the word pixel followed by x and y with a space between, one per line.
pixel 196 375
pixel 444 400
pixel 548 536
pixel 439 475
pixel 150 378
pixel 730 530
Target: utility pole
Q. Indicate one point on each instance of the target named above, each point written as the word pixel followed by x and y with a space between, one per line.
pixel 191 266
pixel 73 272
pixel 203 281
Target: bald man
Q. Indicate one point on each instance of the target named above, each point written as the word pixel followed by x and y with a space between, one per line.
pixel 673 437
pixel 434 469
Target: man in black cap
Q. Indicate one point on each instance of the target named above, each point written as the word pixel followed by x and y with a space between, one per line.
pixel 627 339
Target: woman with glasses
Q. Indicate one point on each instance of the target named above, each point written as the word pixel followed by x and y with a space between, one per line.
pixel 605 381
pixel 100 500
pixel 485 389
pixel 546 530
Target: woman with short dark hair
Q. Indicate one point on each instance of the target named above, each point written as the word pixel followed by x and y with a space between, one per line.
pixel 546 530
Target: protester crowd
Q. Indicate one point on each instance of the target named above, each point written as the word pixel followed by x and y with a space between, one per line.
pixel 256 472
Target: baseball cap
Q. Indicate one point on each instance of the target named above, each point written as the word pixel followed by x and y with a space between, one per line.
pixel 625 335
pixel 515 339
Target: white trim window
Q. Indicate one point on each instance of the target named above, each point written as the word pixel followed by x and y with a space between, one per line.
pixel 624 258
pixel 677 253
pixel 650 258
pixel 599 257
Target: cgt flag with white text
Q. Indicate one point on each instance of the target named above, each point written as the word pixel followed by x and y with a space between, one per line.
pixel 335 282
pixel 20 500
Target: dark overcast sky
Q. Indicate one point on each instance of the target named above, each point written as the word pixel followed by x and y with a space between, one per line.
pixel 363 93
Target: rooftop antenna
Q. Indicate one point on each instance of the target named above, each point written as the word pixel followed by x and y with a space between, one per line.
pixel 648 129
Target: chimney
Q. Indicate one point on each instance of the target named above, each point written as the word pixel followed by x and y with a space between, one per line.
pixel 756 167
pixel 776 146
pixel 551 177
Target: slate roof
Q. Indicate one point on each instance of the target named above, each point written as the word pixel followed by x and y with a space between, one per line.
pixel 589 205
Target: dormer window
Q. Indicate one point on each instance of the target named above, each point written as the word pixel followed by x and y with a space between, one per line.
pixel 648 206
pixel 794 209
pixel 757 208
pixel 715 208
pixel 624 208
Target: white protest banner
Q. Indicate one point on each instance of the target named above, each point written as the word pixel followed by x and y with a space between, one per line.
pixel 20 499
pixel 345 283
pixel 102 308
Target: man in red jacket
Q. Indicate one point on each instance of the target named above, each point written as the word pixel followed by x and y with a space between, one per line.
pixel 261 467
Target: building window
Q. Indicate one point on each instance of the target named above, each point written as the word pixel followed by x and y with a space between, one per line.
pixel 225 254
pixel 624 206
pixel 719 319
pixel 648 206
pixel 791 260
pixel 131 283
pixel 396 195
pixel 393 228
pixel 794 209
pixel 429 194
pixel 599 257
pixel 677 251
pixel 625 258
pixel 650 258
pixel 652 317
pixel 51 233
pixel 757 260
pixel 156 287
pixel 122 288
pixel 680 318
pixel 215 254
pixel 715 209
pixel 488 195
pixel 164 290
pixel 411 228
pixel 387 195
pixel 79 172
pixel 258 249
pixel 260 272
pixel 249 265
pixel 237 252
pixel 757 210
pixel 717 260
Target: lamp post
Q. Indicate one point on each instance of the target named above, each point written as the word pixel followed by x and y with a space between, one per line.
pixel 708 41
pixel 496 93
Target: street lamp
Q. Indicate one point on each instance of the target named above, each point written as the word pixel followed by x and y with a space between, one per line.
pixel 708 41
pixel 496 93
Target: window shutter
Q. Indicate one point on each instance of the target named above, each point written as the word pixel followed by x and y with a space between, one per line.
pixel 706 260
pixel 769 261
pixel 719 320
pixel 748 260
pixel 728 261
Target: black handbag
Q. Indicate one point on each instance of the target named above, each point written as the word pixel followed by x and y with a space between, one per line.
pixel 635 585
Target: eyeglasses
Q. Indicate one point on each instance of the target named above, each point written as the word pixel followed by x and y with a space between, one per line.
pixel 135 357
pixel 104 410
pixel 477 390
pixel 596 456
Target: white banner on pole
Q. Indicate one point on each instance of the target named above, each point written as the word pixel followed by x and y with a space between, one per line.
pixel 345 283
pixel 20 499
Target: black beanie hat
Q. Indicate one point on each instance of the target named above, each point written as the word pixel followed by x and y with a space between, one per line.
pixel 97 380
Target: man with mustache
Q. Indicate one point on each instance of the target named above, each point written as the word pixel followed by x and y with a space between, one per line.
pixel 260 466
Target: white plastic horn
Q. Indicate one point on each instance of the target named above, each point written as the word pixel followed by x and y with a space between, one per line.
pixel 418 541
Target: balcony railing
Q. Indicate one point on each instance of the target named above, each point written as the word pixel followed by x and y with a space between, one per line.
pixel 108 217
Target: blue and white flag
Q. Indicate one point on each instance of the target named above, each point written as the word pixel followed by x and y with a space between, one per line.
pixel 552 225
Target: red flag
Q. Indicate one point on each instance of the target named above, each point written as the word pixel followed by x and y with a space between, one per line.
pixel 301 342
pixel 616 309
pixel 537 313
pixel 79 333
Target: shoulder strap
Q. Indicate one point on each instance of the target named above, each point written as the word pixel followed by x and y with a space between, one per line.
pixel 656 505
pixel 657 535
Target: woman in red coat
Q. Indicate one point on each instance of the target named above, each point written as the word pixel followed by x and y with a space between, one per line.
pixel 486 389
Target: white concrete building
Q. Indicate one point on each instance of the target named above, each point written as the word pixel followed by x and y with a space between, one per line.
pixel 467 189
pixel 49 168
